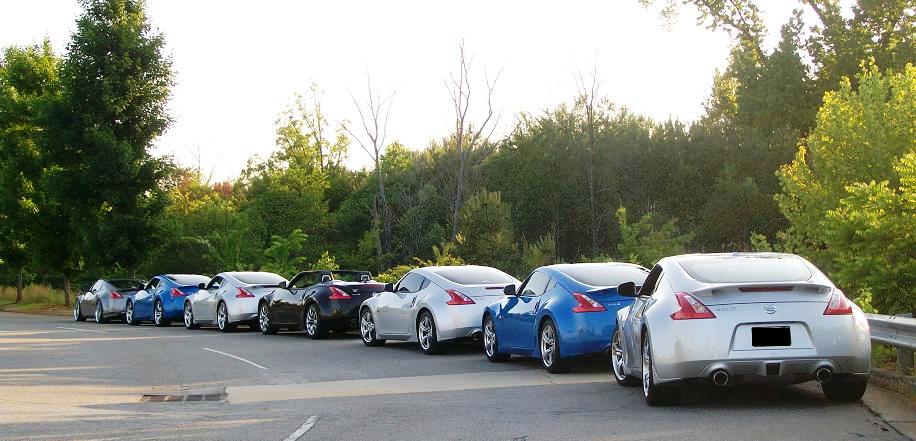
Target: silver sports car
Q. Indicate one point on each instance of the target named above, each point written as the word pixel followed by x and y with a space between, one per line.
pixel 739 318
pixel 105 299
pixel 433 304
pixel 229 299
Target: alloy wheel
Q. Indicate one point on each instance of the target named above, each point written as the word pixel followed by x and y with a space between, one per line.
pixel 311 320
pixel 98 313
pixel 129 314
pixel 157 313
pixel 263 318
pixel 188 316
pixel 646 366
pixel 425 331
pixel 76 311
pixel 617 361
pixel 367 326
pixel 548 344
pixel 489 338
pixel 221 316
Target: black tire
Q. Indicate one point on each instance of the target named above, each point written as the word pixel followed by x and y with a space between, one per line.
pixel 99 313
pixel 618 363
pixel 159 315
pixel 427 335
pixel 189 317
pixel 491 342
pixel 550 351
pixel 841 389
pixel 367 329
pixel 129 315
pixel 224 324
pixel 315 327
pixel 78 312
pixel 654 394
pixel 265 324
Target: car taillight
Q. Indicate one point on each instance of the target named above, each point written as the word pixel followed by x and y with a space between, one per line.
pixel 338 294
pixel 116 295
pixel 177 292
pixel 690 308
pixel 586 304
pixel 838 304
pixel 244 293
pixel 458 298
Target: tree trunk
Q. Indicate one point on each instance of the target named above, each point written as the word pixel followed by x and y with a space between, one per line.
pixel 19 286
pixel 66 290
pixel 457 210
pixel 386 213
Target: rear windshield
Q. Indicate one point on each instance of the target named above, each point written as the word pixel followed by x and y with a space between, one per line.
pixel 125 283
pixel 258 278
pixel 747 269
pixel 189 279
pixel 610 275
pixel 475 275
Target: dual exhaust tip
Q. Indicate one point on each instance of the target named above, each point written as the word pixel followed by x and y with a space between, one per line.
pixel 720 377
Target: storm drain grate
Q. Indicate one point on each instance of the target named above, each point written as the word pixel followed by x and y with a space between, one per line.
pixel 162 398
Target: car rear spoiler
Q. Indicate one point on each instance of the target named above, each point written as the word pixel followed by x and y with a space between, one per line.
pixel 752 287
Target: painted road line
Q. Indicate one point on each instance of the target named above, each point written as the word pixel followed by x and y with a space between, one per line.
pixel 80 329
pixel 237 358
pixel 407 385
pixel 305 427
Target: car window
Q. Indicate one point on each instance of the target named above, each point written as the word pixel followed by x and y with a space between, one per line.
pixel 215 283
pixel 151 285
pixel 746 269
pixel 648 287
pixel 607 275
pixel 536 285
pixel 412 282
pixel 96 286
pixel 305 280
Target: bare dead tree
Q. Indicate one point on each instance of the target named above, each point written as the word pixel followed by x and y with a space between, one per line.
pixel 373 115
pixel 466 137
pixel 587 96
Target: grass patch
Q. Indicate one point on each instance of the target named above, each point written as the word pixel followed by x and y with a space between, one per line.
pixel 32 294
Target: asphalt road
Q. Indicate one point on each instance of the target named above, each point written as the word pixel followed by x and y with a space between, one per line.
pixel 61 380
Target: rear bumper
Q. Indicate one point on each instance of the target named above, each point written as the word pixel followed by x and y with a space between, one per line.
pixel 775 370
pixel 114 308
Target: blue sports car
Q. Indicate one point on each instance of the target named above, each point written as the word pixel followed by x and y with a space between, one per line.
pixel 162 299
pixel 559 312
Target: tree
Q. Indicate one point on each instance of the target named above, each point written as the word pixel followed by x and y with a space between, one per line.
pixel 645 243
pixel 486 236
pixel 28 80
pixel 284 254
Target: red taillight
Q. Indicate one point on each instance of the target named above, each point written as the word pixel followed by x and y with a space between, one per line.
pixel 838 304
pixel 458 298
pixel 338 294
pixel 586 303
pixel 116 295
pixel 690 308
pixel 177 292
pixel 244 293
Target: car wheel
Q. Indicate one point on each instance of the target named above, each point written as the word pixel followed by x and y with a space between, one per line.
pixel 222 318
pixel 655 395
pixel 267 328
pixel 159 315
pixel 314 326
pixel 77 313
pixel 426 334
pixel 618 363
pixel 367 329
pixel 189 317
pixel 99 313
pixel 550 349
pixel 839 390
pixel 129 314
pixel 490 343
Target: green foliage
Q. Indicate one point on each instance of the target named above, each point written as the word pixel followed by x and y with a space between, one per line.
pixel 325 262
pixel 486 236
pixel 284 254
pixel 645 243
pixel 394 274
pixel 538 253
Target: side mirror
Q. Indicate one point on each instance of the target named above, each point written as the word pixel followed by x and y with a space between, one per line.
pixel 509 290
pixel 627 289
pixel 201 286
pixel 282 284
pixel 389 287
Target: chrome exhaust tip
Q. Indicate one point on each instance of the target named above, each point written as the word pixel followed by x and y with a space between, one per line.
pixel 720 377
pixel 823 375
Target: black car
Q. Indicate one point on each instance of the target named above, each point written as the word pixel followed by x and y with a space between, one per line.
pixel 318 302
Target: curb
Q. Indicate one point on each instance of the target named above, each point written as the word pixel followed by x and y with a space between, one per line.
pixel 893 381
pixel 35 312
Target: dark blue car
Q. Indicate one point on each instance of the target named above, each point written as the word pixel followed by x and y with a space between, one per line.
pixel 559 312
pixel 162 299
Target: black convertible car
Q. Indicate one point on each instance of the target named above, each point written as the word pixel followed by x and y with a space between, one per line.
pixel 318 302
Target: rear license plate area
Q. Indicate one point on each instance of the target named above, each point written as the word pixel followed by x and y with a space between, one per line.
pixel 771 336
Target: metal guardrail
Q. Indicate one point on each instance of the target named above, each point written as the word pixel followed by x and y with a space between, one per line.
pixel 896 331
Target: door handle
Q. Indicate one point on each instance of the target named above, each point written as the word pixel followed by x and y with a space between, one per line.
pixel 536 304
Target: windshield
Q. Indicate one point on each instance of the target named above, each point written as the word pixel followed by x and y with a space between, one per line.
pixel 475 275
pixel 189 279
pixel 125 283
pixel 746 269
pixel 607 275
pixel 258 278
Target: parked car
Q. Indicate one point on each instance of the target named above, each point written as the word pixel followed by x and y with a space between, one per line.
pixel 559 312
pixel 317 301
pixel 739 318
pixel 431 305
pixel 162 299
pixel 229 299
pixel 105 299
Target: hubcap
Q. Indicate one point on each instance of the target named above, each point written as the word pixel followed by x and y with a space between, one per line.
pixel 646 367
pixel 157 313
pixel 617 357
pixel 425 331
pixel 489 338
pixel 130 313
pixel 367 326
pixel 548 343
pixel 311 320
pixel 221 316
pixel 264 319
pixel 188 316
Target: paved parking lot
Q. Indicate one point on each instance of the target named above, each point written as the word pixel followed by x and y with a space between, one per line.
pixel 61 380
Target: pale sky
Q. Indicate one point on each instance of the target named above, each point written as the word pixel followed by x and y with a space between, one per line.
pixel 239 64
